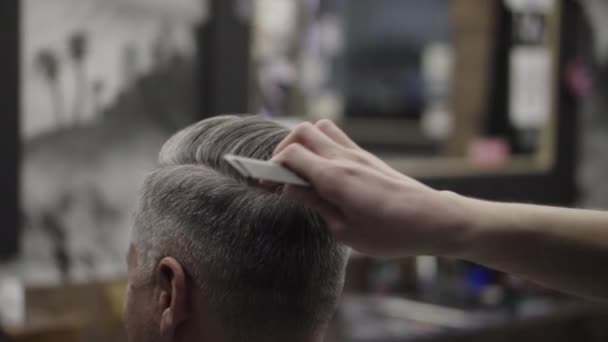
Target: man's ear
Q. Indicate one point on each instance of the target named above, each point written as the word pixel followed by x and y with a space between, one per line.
pixel 173 295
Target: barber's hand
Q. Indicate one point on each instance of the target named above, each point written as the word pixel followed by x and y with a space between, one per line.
pixel 367 204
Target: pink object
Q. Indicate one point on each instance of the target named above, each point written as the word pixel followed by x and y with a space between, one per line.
pixel 578 78
pixel 489 152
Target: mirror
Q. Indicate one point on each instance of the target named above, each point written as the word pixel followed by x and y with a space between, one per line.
pixel 436 87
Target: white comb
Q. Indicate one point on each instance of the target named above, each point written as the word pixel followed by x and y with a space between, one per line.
pixel 264 170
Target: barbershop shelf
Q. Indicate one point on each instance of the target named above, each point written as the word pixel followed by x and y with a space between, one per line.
pixel 368 319
pixel 531 179
pixel 444 167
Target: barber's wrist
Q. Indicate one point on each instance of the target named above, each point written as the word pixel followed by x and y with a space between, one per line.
pixel 473 219
pixel 486 225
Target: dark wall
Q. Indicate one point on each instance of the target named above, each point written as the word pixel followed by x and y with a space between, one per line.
pixel 224 43
pixel 9 120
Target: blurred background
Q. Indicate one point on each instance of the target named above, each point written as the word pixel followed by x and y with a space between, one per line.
pixel 498 99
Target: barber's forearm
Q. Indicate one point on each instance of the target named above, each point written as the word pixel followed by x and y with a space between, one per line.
pixel 564 249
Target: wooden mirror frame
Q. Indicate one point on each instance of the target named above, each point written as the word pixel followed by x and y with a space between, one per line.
pixel 481 32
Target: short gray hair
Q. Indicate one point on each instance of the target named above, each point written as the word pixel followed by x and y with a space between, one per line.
pixel 269 265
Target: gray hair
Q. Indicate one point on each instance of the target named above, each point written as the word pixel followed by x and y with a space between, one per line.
pixel 270 266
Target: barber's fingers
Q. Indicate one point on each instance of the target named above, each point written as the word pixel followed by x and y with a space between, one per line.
pixel 335 133
pixel 332 215
pixel 309 136
pixel 300 159
pixel 324 175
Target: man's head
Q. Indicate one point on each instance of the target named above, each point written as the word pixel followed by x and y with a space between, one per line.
pixel 215 256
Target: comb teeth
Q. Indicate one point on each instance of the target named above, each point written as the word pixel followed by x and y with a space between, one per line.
pixel 236 164
pixel 264 170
